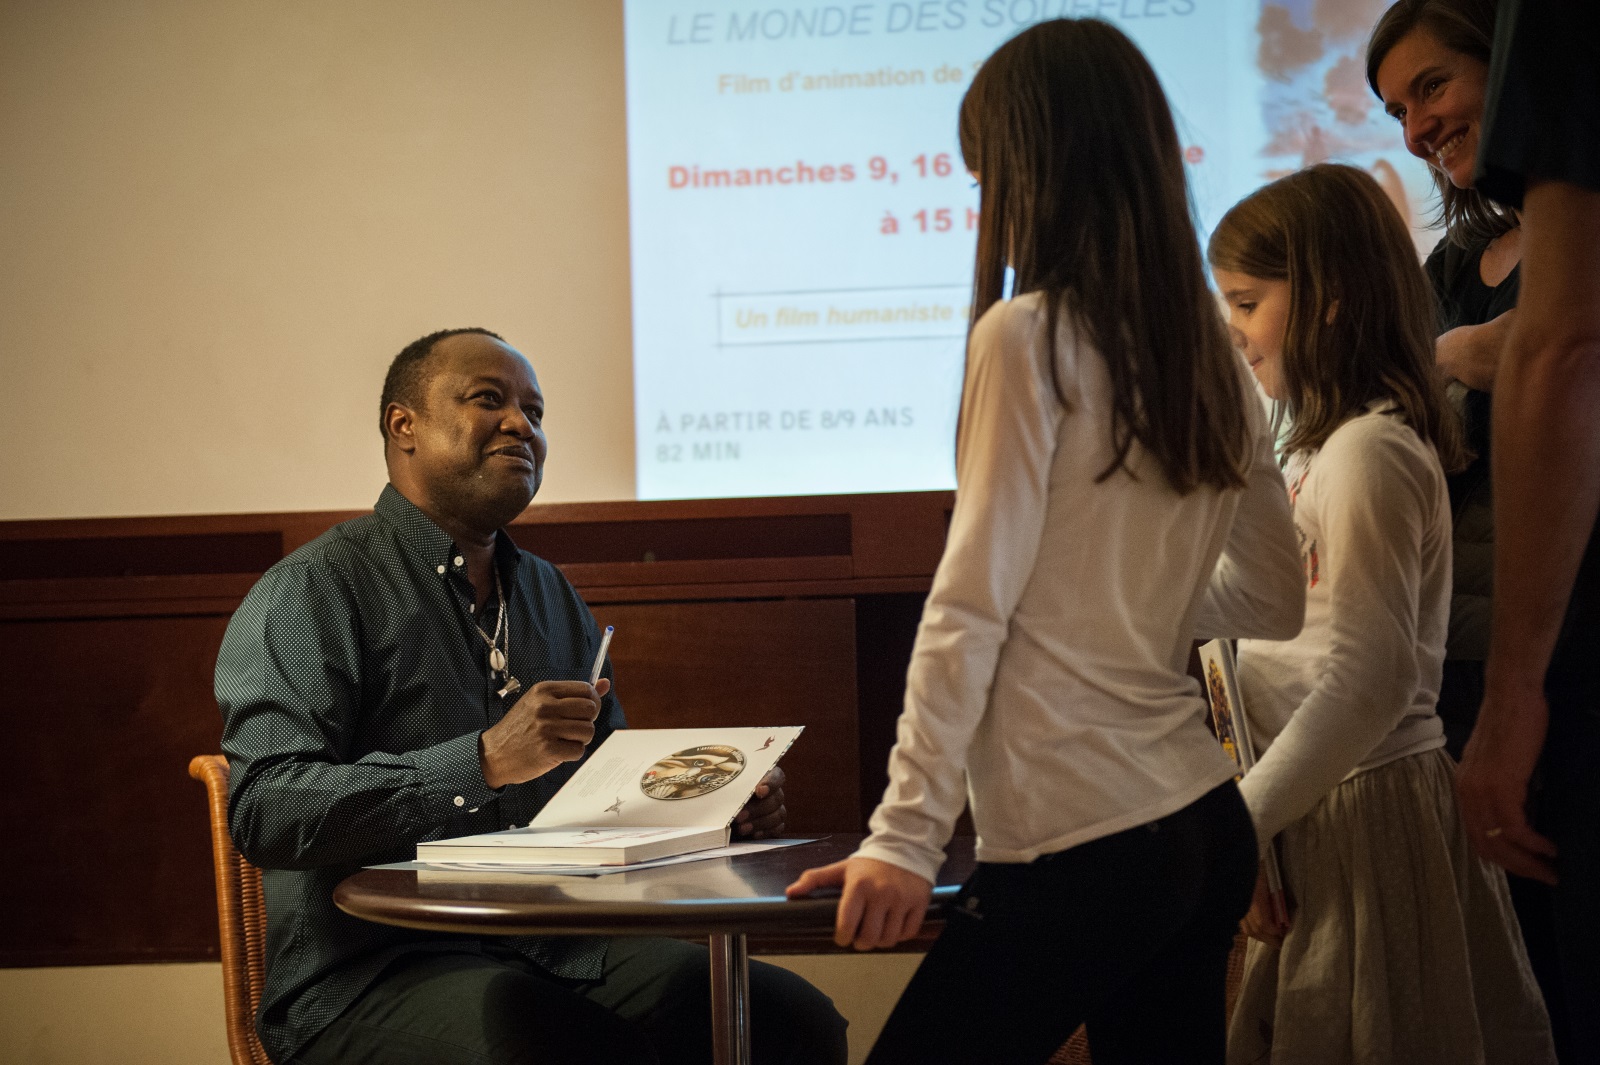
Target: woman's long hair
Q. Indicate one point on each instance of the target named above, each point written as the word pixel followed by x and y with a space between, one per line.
pixel 1467 27
pixel 1083 193
pixel 1361 324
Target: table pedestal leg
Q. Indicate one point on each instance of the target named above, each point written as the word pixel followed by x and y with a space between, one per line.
pixel 730 999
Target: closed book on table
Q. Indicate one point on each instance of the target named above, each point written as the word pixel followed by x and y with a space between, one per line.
pixel 642 794
pixel 566 846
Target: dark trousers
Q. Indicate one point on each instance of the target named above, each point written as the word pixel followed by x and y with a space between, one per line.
pixel 652 1006
pixel 1566 808
pixel 1128 934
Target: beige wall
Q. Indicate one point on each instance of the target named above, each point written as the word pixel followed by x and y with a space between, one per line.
pixel 218 222
pixel 160 1014
pixel 220 219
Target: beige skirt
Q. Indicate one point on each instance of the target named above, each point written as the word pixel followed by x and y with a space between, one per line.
pixel 1403 946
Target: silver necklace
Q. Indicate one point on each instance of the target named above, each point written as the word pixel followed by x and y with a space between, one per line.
pixel 497 646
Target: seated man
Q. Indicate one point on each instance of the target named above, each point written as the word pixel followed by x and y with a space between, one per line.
pixel 413 675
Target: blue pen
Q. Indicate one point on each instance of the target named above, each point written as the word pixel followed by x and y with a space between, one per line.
pixel 600 656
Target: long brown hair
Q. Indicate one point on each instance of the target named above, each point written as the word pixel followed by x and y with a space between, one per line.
pixel 1361 325
pixel 1083 192
pixel 1467 27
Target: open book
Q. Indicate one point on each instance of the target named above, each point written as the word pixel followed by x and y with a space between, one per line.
pixel 1228 719
pixel 642 794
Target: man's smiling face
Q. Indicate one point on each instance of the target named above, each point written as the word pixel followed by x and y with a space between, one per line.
pixel 477 445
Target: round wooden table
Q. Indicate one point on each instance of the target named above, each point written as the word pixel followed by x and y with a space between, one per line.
pixel 723 899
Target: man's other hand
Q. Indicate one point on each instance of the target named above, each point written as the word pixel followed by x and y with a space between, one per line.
pixel 552 723
pixel 762 817
pixel 1492 783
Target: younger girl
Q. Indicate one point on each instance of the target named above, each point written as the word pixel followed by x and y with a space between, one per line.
pixel 1401 946
pixel 1109 451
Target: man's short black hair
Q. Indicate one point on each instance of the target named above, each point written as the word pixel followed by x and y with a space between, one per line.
pixel 407 378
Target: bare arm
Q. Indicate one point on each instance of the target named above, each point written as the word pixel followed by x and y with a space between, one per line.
pixel 1471 353
pixel 1546 468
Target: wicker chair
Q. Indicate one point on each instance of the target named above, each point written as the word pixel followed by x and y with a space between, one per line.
pixel 241 919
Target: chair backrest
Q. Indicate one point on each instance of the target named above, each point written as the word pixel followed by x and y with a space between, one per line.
pixel 241 919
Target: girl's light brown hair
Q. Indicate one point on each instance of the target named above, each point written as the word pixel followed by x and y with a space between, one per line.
pixel 1361 319
pixel 1465 27
pixel 1083 193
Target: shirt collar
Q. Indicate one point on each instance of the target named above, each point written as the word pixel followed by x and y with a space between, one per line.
pixel 431 543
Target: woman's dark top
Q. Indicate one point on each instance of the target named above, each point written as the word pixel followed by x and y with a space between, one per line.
pixel 1463 299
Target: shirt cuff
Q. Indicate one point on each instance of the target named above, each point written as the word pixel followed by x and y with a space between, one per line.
pixel 451 775
pixel 911 859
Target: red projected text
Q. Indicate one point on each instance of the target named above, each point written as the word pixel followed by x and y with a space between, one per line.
pixel 798 173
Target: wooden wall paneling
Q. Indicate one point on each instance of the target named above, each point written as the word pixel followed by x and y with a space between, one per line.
pixel 175 595
pixel 886 630
pixel 741 611
pixel 769 662
pixel 664 539
pixel 149 555
pixel 107 852
pixel 886 627
pixel 899 534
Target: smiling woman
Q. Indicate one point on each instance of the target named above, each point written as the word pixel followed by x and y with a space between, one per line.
pixel 1436 94
pixel 1428 61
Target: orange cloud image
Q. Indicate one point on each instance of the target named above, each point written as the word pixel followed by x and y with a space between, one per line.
pixel 1285 47
pixel 1346 18
pixel 1345 89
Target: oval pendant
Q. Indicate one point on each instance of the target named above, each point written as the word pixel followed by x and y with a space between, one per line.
pixel 497 660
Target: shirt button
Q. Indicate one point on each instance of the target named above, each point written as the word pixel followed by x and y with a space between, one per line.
pixel 473 810
pixel 441 571
pixel 460 801
pixel 460 561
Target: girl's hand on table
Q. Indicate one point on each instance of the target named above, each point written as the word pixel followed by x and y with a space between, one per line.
pixel 881 904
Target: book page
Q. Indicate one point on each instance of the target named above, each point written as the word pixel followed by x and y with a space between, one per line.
pixel 571 838
pixel 524 872
pixel 1232 724
pixel 1222 692
pixel 667 778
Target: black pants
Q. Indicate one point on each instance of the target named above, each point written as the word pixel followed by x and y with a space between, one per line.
pixel 1129 934
pixel 1565 804
pixel 652 1006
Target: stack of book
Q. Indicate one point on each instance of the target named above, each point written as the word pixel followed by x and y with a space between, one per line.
pixel 643 794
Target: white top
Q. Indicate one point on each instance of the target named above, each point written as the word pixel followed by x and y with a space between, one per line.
pixel 1049 666
pixel 1357 687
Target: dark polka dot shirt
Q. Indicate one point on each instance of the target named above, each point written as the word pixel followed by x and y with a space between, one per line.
pixel 353 689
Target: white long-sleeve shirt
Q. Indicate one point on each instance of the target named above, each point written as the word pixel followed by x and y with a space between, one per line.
pixel 1357 687
pixel 1047 683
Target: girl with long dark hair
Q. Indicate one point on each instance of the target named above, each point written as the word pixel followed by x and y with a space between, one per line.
pixel 1117 496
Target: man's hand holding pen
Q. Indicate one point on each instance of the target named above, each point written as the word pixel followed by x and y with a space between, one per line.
pixel 552 723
